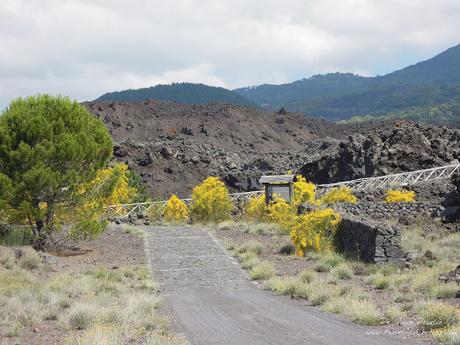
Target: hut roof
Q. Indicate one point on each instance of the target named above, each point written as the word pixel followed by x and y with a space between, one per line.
pixel 274 179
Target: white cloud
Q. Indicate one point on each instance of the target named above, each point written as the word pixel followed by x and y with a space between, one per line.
pixel 84 48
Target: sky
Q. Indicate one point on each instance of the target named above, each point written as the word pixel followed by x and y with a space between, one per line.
pixel 84 48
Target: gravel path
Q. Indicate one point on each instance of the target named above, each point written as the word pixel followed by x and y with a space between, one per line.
pixel 214 302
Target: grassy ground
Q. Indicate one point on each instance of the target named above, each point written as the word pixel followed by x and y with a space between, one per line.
pixel 405 300
pixel 105 297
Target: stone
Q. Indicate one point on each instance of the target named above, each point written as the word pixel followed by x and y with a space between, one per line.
pixel 119 151
pixel 428 255
pixel 18 253
pixel 379 251
pixel 369 241
pixel 394 252
pixel 166 152
pixel 143 162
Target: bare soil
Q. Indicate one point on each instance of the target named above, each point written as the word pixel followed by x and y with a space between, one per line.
pixel 112 249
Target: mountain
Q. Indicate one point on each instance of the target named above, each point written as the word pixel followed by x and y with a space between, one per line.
pixel 185 93
pixel 340 96
pixel 173 146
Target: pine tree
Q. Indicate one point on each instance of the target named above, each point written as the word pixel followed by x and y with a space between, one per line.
pixel 49 146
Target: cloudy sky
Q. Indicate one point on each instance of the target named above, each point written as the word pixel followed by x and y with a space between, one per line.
pixel 83 48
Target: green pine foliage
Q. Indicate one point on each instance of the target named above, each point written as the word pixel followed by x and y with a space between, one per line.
pixel 428 91
pixel 186 93
pixel 49 146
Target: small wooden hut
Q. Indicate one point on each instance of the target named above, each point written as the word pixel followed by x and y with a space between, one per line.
pixel 281 185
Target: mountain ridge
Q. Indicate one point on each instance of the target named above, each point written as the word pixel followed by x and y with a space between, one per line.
pixel 185 93
pixel 341 96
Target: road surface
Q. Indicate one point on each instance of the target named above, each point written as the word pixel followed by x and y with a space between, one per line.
pixel 214 302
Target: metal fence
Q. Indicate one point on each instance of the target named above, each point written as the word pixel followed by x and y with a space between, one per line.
pixel 362 184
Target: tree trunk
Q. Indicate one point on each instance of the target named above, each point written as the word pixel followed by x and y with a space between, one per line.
pixel 40 237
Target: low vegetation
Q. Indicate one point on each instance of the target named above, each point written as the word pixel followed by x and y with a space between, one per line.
pixel 210 202
pixel 367 294
pixel 340 194
pixel 175 211
pixel 398 195
pixel 98 305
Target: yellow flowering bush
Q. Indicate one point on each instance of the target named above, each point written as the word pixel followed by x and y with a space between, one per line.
pixel 175 210
pixel 109 187
pixel 280 212
pixel 394 195
pixel 210 201
pixel 256 209
pixel 315 230
pixel 341 194
pixel 303 191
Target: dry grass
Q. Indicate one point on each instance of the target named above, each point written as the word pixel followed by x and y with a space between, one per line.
pixel 250 247
pixel 367 294
pixel 264 229
pixel 262 270
pixel 438 316
pixel 226 225
pixel 133 230
pixel 359 310
pixel 98 306
pixel 448 336
pixel 342 271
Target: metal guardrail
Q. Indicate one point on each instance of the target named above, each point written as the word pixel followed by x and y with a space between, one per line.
pixel 395 180
pixel 362 184
pixel 125 210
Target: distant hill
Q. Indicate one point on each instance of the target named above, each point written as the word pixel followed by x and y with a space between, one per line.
pixel 416 90
pixel 185 93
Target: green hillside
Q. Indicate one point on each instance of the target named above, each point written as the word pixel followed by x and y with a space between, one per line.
pixel 430 84
pixel 186 93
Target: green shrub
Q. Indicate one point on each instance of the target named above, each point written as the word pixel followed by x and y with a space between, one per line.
pixel 262 270
pixel 362 269
pixel 342 271
pixel 250 247
pixel 380 281
pixel 363 312
pixel 14 331
pixel 319 293
pixel 448 336
pixel 438 315
pixel 226 225
pixel 82 317
pixel 332 259
pixel 307 276
pixel 248 260
pixel 393 315
pixel 290 286
pixel 286 248
pixel 359 310
pixel 17 236
pixel 321 267
pixel 448 290
pixel 30 261
pixel 264 229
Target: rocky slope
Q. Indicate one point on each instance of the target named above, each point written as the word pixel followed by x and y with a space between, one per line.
pixel 406 147
pixel 174 146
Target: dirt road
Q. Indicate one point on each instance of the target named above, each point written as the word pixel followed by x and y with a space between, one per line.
pixel 214 302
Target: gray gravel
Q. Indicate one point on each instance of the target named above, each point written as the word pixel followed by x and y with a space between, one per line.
pixel 214 302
